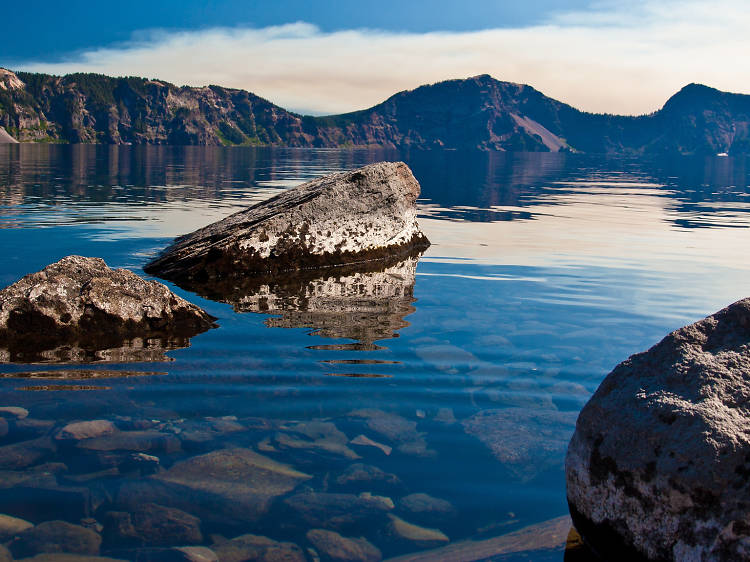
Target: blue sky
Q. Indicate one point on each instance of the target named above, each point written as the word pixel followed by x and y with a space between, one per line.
pixel 616 56
pixel 52 30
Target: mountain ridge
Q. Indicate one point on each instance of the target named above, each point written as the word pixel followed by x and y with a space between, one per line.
pixel 479 112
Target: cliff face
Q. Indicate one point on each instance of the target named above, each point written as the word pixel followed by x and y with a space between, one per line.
pixel 475 113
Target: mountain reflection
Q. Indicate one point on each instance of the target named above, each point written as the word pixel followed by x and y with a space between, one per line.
pixel 364 302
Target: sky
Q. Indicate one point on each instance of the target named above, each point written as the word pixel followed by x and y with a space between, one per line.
pixel 324 57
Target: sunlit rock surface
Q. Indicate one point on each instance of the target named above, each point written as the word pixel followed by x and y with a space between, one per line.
pixel 362 215
pixel 659 465
pixel 78 309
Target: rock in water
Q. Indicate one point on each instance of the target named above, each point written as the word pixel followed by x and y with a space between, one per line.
pixel 81 302
pixel 659 465
pixel 357 216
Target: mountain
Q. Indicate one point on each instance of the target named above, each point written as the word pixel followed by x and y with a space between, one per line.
pixel 475 113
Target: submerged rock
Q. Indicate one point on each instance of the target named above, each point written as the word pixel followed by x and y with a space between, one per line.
pixel 12 526
pixel 527 442
pixel 80 306
pixel 230 484
pixel 56 536
pixel 332 547
pixel 338 511
pixel 357 216
pixel 659 465
pixel 426 509
pixel 255 547
pixel 413 535
pixel 151 524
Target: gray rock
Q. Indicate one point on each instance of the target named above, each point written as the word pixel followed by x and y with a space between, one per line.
pixel 660 459
pixel 197 553
pixel 151 524
pixel 80 305
pixel 247 548
pixel 26 453
pixel 56 536
pixel 397 429
pixel 13 412
pixel 338 511
pixel 355 216
pixel 332 547
pixel 426 509
pixel 229 484
pixel 364 477
pixel 12 526
pixel 317 438
pixel 148 440
pixel 527 442
pixel 85 430
pixel 413 535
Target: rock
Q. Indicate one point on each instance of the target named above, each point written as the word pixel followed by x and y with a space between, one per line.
pixel 358 477
pixel 197 553
pixel 659 465
pixel 26 453
pixel 5 555
pixel 141 463
pixel 338 511
pixel 426 509
pixel 363 215
pixel 12 526
pixel 396 429
pixel 151 524
pixel 80 304
pixel 332 547
pixel 85 430
pixel 414 535
pixel 229 484
pixel 364 441
pixel 41 501
pixel 542 541
pixel 13 412
pixel 56 536
pixel 148 440
pixel 254 547
pixel 317 437
pixel 527 442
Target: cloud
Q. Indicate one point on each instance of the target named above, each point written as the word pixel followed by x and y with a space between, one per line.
pixel 618 57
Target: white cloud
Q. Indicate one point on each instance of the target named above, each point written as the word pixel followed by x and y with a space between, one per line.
pixel 620 57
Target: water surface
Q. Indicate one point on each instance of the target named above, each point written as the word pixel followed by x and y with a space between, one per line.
pixel 459 375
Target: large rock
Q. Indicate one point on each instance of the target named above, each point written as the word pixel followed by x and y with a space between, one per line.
pixel 81 303
pixel 659 465
pixel 366 214
pixel 332 547
pixel 255 547
pixel 230 484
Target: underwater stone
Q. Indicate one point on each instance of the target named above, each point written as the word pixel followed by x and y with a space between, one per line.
pixel 362 215
pixel 332 547
pixel 256 547
pixel 80 302
pixel 56 536
pixel 11 526
pixel 659 464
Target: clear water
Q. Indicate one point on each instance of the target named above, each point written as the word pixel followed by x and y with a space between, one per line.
pixel 545 271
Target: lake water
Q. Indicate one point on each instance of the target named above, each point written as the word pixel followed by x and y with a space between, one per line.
pixel 458 376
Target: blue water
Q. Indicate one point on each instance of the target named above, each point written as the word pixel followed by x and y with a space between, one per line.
pixel 545 271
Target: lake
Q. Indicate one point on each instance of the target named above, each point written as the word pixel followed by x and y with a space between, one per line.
pixel 417 406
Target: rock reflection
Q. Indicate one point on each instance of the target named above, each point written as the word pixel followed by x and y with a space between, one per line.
pixel 136 350
pixel 364 302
